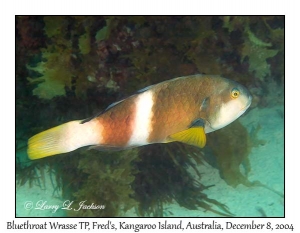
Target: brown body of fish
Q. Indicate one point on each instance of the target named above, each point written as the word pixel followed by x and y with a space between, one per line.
pixel 181 109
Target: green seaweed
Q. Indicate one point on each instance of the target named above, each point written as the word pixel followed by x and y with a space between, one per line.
pixel 231 147
pixel 32 173
pixel 108 179
pixel 258 53
pixel 68 60
pixel 163 177
pixel 83 47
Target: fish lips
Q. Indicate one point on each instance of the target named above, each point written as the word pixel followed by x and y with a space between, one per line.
pixel 249 103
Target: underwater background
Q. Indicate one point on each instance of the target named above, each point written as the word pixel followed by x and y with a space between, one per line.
pixel 72 67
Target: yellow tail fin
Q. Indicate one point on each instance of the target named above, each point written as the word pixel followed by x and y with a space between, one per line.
pixel 63 138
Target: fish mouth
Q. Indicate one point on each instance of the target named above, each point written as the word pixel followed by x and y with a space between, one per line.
pixel 248 105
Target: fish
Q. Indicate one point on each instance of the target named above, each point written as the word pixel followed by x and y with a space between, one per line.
pixel 182 109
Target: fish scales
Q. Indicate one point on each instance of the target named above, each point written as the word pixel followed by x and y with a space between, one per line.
pixel 182 109
pixel 174 108
pixel 118 123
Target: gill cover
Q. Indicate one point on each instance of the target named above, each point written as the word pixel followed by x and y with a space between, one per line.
pixel 233 102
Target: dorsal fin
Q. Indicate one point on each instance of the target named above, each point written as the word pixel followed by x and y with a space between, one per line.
pixel 100 113
pixel 113 104
pixel 145 89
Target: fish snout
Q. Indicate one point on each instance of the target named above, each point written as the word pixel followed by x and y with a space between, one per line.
pixel 249 97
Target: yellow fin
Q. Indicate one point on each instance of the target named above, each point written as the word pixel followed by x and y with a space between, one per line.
pixel 57 140
pixel 193 136
pixel 45 143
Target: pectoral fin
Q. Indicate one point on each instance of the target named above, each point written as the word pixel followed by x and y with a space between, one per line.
pixel 195 135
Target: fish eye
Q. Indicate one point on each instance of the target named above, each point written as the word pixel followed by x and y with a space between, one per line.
pixel 235 93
